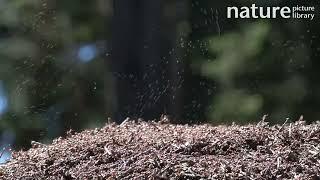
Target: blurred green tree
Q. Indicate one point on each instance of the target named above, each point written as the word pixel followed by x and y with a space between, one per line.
pixel 52 66
pixel 260 66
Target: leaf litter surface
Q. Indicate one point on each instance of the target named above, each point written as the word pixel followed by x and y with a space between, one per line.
pixel 158 150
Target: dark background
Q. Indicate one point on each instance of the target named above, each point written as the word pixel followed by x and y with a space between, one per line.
pixel 72 64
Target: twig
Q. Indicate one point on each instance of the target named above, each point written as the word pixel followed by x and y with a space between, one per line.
pixel 2 152
pixel 278 162
pixel 125 121
pixel 285 122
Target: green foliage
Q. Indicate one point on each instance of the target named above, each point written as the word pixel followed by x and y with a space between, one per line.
pixel 259 72
pixel 48 90
pixel 234 52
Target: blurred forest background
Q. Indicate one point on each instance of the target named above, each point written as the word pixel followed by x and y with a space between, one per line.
pixel 72 64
